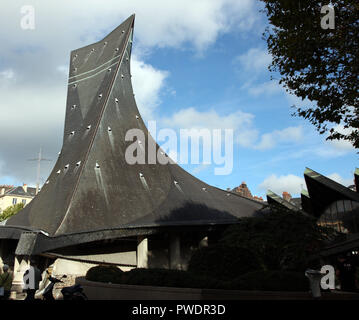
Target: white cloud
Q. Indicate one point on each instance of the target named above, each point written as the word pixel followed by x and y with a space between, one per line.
pixel 334 148
pixel 192 118
pixel 7 77
pixel 245 132
pixel 254 60
pixel 278 184
pixel 34 119
pixel 338 178
pixel 159 23
pixel 287 135
pixel 147 84
pixel 266 88
pixel 247 137
pixel 63 69
pixel 294 184
pixel 253 65
pixel 7 74
pixel 342 145
pixel 240 122
pixel 297 101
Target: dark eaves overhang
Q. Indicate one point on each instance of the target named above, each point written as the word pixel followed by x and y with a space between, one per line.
pixel 323 191
pixel 34 242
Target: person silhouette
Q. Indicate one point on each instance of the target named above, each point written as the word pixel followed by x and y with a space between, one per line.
pixel 6 281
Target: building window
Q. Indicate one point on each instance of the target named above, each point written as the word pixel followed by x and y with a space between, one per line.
pixel 14 200
pixel 23 201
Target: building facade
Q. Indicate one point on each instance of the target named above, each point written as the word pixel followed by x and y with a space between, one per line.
pixel 10 195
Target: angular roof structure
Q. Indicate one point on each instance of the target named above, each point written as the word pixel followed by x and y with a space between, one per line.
pixel 307 203
pixel 324 191
pixel 92 188
pixel 273 198
pixel 356 179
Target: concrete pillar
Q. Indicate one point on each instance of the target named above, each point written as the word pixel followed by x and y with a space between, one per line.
pixel 142 252
pixel 21 264
pixel 175 252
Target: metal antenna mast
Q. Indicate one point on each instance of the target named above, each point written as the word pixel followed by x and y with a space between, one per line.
pixel 39 159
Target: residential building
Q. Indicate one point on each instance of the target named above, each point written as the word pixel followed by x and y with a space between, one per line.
pixel 10 195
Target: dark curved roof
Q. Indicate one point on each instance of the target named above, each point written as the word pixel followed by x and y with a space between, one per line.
pixel 92 187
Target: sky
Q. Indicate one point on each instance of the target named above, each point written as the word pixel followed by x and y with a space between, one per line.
pixel 195 64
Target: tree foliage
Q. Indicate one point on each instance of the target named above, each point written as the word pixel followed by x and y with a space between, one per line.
pixel 223 262
pixel 10 211
pixel 280 239
pixel 320 65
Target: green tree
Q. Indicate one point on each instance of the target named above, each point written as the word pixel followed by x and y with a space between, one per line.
pixel 10 211
pixel 280 239
pixel 320 65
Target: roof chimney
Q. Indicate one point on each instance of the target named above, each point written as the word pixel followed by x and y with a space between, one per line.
pixel 25 187
pixel 286 196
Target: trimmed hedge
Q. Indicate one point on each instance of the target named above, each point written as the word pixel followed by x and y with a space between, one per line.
pixel 153 277
pixel 223 262
pixel 104 274
pixel 257 280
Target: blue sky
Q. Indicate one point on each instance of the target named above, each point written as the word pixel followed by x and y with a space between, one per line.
pixel 198 63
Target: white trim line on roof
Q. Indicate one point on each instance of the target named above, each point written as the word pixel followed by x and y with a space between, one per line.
pixel 76 81
pixel 79 75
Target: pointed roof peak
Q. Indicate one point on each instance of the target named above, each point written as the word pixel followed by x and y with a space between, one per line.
pixel 308 170
pixel 271 193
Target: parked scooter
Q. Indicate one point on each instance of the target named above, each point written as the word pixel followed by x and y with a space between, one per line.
pixel 47 294
pixel 74 292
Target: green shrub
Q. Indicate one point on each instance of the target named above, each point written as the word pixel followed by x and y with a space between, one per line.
pixel 10 211
pixel 257 280
pixel 151 277
pixel 223 262
pixel 168 278
pixel 271 281
pixel 104 274
pixel 280 238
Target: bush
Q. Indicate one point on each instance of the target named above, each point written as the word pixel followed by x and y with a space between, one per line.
pixel 257 280
pixel 151 277
pixel 272 281
pixel 10 211
pixel 168 278
pixel 281 239
pixel 104 274
pixel 223 262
